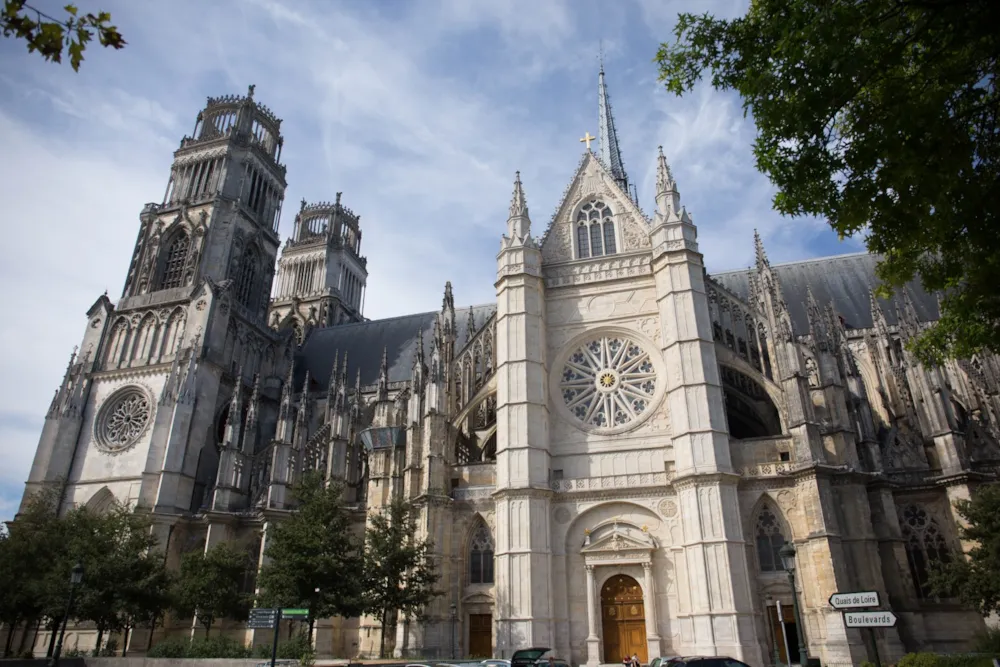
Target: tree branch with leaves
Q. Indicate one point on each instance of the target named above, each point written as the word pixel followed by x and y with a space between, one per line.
pixel 882 118
pixel 51 37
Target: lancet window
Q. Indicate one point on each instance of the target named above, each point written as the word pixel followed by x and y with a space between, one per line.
pixel 247 277
pixel 173 264
pixel 926 546
pixel 595 231
pixel 481 556
pixel 769 541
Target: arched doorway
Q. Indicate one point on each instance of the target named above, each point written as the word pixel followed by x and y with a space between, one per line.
pixel 623 618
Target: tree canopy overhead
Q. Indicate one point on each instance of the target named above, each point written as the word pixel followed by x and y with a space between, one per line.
pixel 882 117
pixel 51 36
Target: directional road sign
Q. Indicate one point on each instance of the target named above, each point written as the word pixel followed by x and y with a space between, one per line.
pixel 296 614
pixel 262 619
pixel 869 619
pixel 854 600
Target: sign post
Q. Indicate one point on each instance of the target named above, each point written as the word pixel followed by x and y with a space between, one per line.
pixel 864 619
pixel 263 619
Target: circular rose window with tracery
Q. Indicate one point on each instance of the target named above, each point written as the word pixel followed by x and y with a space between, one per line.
pixel 123 419
pixel 609 383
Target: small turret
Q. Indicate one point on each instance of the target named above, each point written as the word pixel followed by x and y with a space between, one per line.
pixel 231 439
pixel 286 415
pixel 518 222
pixel 383 376
pixel 251 425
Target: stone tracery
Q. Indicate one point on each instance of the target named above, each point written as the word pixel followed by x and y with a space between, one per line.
pixel 123 419
pixel 608 382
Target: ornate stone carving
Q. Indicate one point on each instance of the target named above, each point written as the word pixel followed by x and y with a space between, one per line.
pixel 123 419
pixel 561 515
pixel 611 482
pixel 201 305
pixel 667 508
pixel 634 234
pixel 603 268
pixel 608 382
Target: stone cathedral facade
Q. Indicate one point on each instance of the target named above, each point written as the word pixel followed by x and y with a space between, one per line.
pixel 607 458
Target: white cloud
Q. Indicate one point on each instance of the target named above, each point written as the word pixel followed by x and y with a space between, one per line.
pixel 419 114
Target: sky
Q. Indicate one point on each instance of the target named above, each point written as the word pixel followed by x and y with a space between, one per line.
pixel 419 112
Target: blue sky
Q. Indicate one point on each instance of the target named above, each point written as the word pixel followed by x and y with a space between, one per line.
pixel 419 112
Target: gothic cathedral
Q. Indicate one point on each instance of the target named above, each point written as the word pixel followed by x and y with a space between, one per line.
pixel 607 458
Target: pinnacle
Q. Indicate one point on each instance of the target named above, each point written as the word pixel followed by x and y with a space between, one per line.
pixel 758 246
pixel 518 205
pixel 664 178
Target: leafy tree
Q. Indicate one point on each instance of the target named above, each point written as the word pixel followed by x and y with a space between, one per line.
pixel 398 574
pixel 314 558
pixel 27 546
pixel 210 584
pixel 51 36
pixel 975 580
pixel 880 116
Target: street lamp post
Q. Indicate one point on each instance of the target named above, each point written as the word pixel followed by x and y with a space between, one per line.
pixel 787 554
pixel 453 613
pixel 75 577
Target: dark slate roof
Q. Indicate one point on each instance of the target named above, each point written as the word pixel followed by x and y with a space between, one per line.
pixel 365 341
pixel 845 280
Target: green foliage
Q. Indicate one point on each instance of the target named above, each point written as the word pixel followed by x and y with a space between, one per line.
pixel 989 641
pixel 210 583
pixel 51 37
pixel 880 116
pixel 124 579
pixel 295 648
pixel 947 660
pixel 312 549
pixel 398 574
pixel 976 580
pixel 173 647
pixel 27 547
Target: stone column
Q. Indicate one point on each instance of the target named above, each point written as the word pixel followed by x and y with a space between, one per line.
pixel 593 640
pixel 652 628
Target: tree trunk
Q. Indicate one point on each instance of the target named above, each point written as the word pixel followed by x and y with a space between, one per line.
pixel 149 639
pixel 208 627
pixel 54 629
pixel 381 648
pixel 312 621
pixel 10 638
pixel 34 636
pixel 100 638
pixel 125 635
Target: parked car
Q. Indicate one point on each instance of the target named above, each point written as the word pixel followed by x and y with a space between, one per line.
pixel 494 662
pixel 536 657
pixel 663 661
pixel 701 661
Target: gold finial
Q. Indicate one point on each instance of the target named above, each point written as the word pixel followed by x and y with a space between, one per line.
pixel 586 531
pixel 587 139
pixel 645 528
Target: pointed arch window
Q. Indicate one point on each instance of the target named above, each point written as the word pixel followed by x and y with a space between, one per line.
pixel 582 241
pixel 481 556
pixel 926 546
pixel 173 264
pixel 247 277
pixel 595 231
pixel 769 539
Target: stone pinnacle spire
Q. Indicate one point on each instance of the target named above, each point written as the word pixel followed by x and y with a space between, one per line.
pixel 518 223
pixel 383 376
pixel 610 152
pixel 668 199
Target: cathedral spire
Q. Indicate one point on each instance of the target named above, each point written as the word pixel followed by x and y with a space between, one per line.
pixel 610 152
pixel 331 386
pixel 232 433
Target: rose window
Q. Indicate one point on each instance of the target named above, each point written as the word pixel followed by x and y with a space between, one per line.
pixel 123 419
pixel 608 382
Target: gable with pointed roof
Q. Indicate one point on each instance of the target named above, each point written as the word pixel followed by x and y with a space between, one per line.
pixel 594 181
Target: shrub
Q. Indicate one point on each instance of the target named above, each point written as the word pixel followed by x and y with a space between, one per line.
pixel 204 647
pixel 947 660
pixel 989 641
pixel 175 647
pixel 289 649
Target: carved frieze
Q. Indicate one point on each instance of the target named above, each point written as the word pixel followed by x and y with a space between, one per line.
pixel 614 267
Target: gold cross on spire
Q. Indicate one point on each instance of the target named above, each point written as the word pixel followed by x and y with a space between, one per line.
pixel 587 139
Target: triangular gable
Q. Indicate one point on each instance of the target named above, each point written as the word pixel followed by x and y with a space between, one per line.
pixel 593 179
pixel 619 540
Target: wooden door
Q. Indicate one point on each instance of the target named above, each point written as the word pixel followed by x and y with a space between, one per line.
pixel 480 636
pixel 785 638
pixel 623 619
